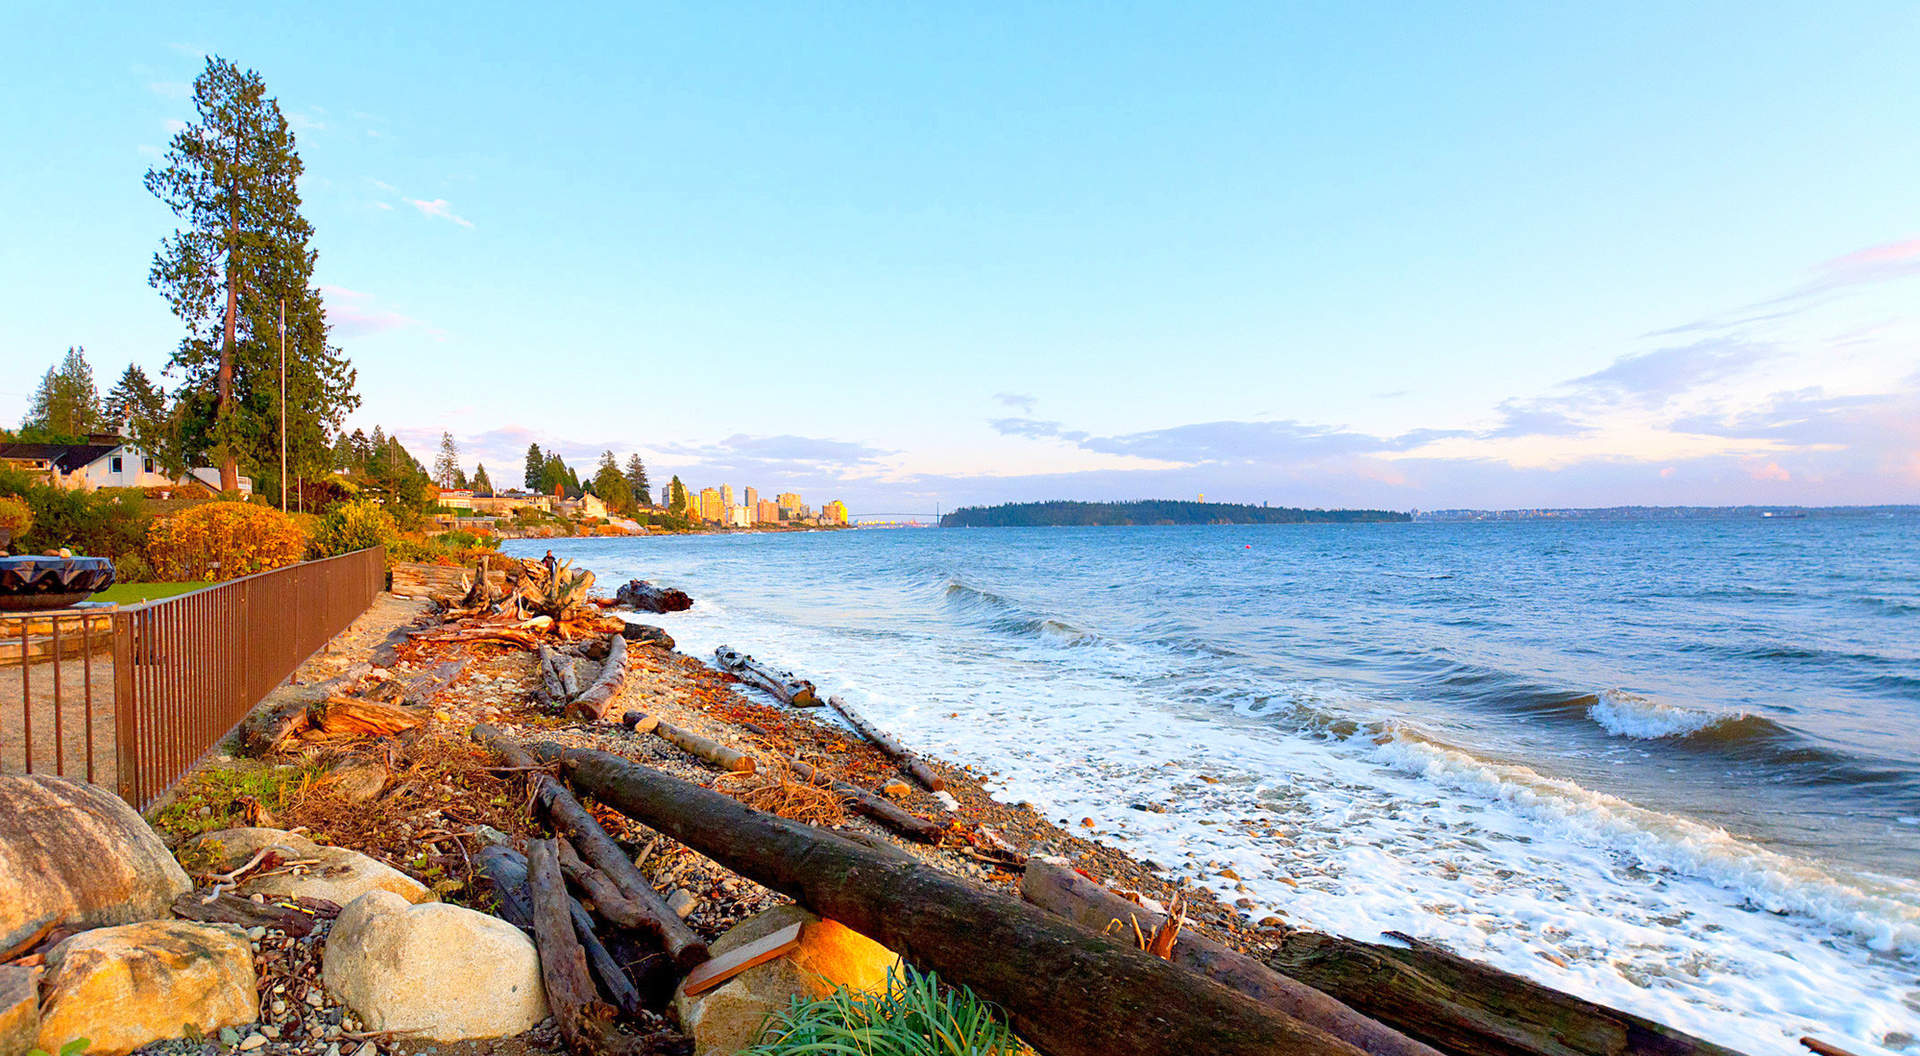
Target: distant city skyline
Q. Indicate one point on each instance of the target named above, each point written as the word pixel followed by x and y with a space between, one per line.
pixel 1375 257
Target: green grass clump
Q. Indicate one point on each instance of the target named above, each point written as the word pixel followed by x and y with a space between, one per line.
pixel 129 593
pixel 224 790
pixel 916 1016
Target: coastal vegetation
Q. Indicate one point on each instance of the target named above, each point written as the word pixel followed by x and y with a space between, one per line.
pixel 915 1016
pixel 1149 511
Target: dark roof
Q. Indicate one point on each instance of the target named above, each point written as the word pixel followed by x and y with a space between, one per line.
pixel 65 457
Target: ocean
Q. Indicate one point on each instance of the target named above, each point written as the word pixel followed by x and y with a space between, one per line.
pixel 1671 766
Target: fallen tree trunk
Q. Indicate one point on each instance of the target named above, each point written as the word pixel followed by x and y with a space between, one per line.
pixel 268 727
pixel 1459 1006
pixel 586 1023
pixel 643 596
pixel 915 766
pixel 507 869
pixel 872 806
pixel 704 747
pixel 597 699
pixel 784 685
pixel 1068 992
pixel 344 718
pixel 608 901
pixel 295 916
pixel 1092 906
pixel 571 819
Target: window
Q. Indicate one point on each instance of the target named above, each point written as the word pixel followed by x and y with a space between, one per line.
pixel 116 463
pixel 146 465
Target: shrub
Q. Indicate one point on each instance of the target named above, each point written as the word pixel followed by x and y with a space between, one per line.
pixel 353 526
pixel 15 516
pixel 915 1017
pixel 224 540
pixel 132 567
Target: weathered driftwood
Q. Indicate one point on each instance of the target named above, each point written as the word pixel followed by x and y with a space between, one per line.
pixel 420 688
pixel 784 685
pixel 586 1022
pixel 915 766
pixel 341 718
pixel 706 748
pixel 595 701
pixel 571 819
pixel 264 730
pixel 507 869
pixel 1068 992
pixel 871 805
pixel 1092 906
pixel 1459 1006
pixel 606 896
pixel 558 684
pixel 642 596
pixel 295 916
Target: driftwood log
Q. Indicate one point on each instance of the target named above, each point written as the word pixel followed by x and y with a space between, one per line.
pixel 647 634
pixel 1067 991
pixel 295 916
pixel 507 869
pixel 1459 1006
pixel 705 748
pixel 586 1022
pixel 571 819
pixel 872 806
pixel 595 701
pixel 914 765
pixel 1091 905
pixel 642 596
pixel 558 684
pixel 784 685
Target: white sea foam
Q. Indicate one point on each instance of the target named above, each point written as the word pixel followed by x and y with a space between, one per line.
pixel 1626 714
pixel 1360 826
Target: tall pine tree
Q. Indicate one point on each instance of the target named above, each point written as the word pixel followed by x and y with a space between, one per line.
pixel 137 409
pixel 481 485
pixel 446 467
pixel 66 407
pixel 231 176
pixel 536 470
pixel 637 484
pixel 611 484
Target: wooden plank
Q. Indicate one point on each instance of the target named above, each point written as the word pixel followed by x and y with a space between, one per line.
pixel 732 963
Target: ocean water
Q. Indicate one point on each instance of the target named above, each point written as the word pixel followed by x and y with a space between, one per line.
pixel 1670 766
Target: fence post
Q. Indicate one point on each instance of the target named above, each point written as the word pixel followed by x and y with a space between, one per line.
pixel 125 759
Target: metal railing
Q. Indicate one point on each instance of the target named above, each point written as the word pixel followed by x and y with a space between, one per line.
pixel 133 697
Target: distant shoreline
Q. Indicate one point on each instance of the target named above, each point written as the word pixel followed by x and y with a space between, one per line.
pixel 1151 512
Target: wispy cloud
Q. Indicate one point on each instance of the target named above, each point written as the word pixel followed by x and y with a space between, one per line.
pixel 1863 267
pixel 1665 372
pixel 355 313
pixel 1022 403
pixel 439 207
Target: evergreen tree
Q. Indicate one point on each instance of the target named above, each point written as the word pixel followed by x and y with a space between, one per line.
pixel 637 485
pixel 362 450
pixel 446 468
pixel 536 470
pixel 481 485
pixel 137 409
pixel 460 479
pixel 344 455
pixel 677 497
pixel 66 407
pixel 611 484
pixel 232 177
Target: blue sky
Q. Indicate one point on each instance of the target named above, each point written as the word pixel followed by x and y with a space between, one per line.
pixel 1395 255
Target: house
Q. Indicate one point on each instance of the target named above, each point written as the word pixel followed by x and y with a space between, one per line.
pixel 104 461
pixel 503 505
pixel 456 498
pixel 588 505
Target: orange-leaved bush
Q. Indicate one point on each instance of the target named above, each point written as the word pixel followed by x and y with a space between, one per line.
pixel 224 540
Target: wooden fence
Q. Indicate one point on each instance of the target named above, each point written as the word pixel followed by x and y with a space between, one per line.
pixel 134 697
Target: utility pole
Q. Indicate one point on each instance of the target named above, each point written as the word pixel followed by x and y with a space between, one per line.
pixel 283 404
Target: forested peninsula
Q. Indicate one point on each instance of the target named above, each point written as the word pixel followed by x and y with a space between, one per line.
pixel 1150 511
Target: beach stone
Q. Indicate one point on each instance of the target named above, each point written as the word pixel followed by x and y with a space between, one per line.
pixel 73 853
pixel 432 971
pixel 729 1017
pixel 19 1009
pixel 647 634
pixel 130 985
pixel 338 875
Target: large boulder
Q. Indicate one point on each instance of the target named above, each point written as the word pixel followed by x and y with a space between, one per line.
pixel 728 1018
pixel 19 1009
pixel 73 853
pixel 433 971
pixel 337 874
pixel 127 986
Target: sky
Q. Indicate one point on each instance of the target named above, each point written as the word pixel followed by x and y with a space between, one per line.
pixel 917 256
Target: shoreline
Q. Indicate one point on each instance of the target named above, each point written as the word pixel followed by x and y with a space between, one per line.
pixel 441 778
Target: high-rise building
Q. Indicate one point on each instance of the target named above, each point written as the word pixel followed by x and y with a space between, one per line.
pixel 751 499
pixel 789 503
pixel 712 510
pixel 765 512
pixel 726 495
pixel 834 512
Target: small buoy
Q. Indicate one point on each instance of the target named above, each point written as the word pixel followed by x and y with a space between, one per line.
pixel 1249 546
